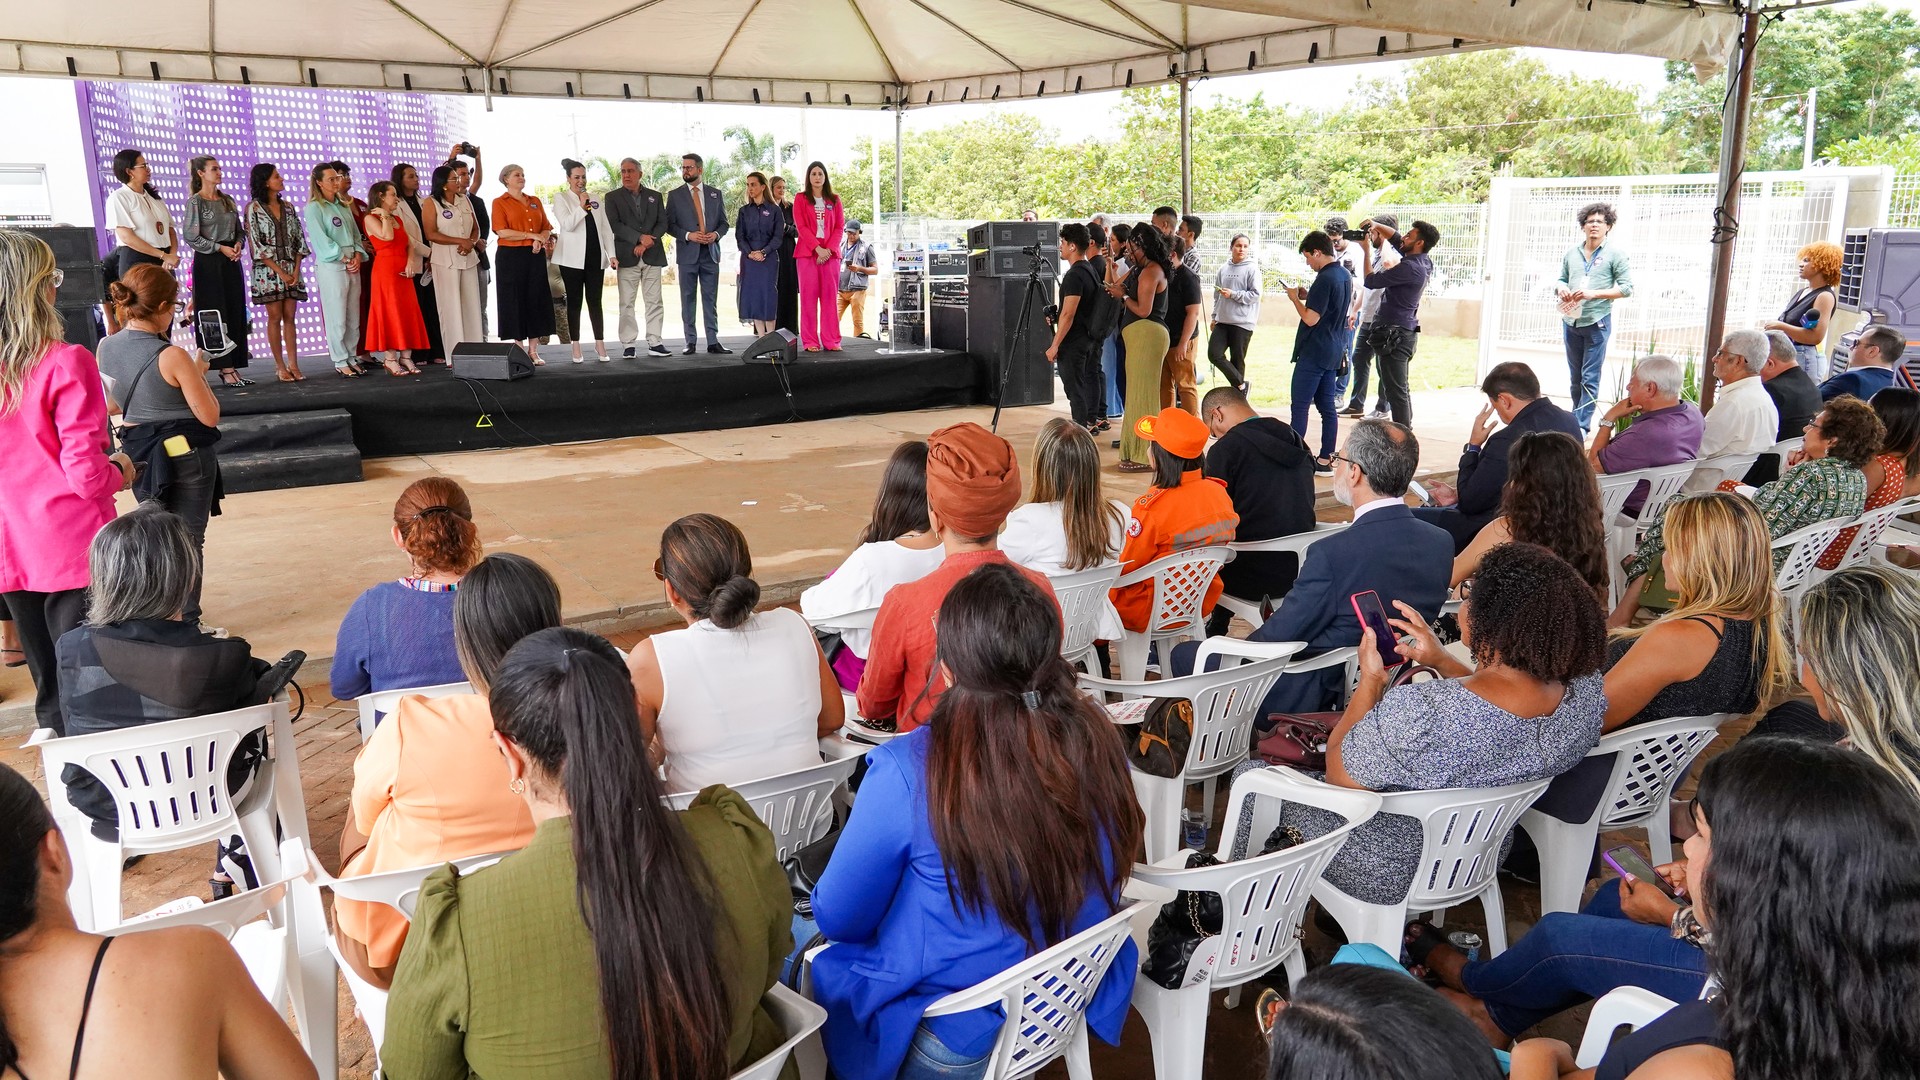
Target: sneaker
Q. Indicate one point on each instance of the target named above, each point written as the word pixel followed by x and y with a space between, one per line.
pixel 627 353
pixel 1380 414
pixel 655 350
pixel 214 631
pixel 1322 465
pixel 1355 409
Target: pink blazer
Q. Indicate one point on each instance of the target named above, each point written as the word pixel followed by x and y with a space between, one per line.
pixel 803 225
pixel 59 484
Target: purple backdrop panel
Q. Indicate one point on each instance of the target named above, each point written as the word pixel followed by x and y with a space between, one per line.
pixel 241 125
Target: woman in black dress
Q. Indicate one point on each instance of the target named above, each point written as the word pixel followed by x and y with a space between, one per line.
pixel 789 309
pixel 213 229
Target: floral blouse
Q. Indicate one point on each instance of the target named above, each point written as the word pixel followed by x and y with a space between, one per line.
pixel 1810 492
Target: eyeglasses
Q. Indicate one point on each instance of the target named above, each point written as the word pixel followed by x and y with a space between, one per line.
pixel 1341 457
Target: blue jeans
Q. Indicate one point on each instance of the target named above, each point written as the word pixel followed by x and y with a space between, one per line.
pixel 1110 369
pixel 1346 370
pixel 704 277
pixel 1568 959
pixel 1586 355
pixel 929 1059
pixel 1316 386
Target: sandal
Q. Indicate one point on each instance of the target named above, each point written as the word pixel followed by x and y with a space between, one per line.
pixel 1134 466
pixel 1422 937
pixel 394 369
pixel 348 371
pixel 281 374
pixel 14 657
pixel 1266 1009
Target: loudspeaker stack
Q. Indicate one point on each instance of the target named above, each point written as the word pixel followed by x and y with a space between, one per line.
pixel 995 289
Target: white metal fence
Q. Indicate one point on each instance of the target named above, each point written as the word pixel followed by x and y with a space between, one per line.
pixel 1903 207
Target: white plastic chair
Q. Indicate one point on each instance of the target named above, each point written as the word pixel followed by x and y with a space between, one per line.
pixel 800 1020
pixel 1263 898
pixel 1868 530
pixel 797 806
pixel 376 706
pixel 168 782
pixel 1083 597
pixel 1180 583
pixel 1710 471
pixel 1648 760
pixel 1804 548
pixel 1225 704
pixel 852 620
pixel 1046 998
pixel 1627 1007
pixel 1249 608
pixel 1663 484
pixel 1464 828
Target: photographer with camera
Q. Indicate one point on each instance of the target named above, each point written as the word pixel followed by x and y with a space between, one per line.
pixel 1377 256
pixel 1396 324
pixel 1075 349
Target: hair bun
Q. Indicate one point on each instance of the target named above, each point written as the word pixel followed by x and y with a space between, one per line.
pixel 119 293
pixel 567 164
pixel 732 602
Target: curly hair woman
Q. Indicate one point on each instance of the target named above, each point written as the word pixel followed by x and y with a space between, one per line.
pixel 1551 499
pixel 1810 312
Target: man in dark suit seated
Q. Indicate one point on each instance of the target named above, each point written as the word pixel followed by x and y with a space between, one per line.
pixel 1513 396
pixel 1386 550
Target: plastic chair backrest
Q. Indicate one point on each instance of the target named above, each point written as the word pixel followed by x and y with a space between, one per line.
pixel 1180 583
pixel 1627 1007
pixel 1225 702
pixel 1804 548
pixel 1615 490
pixel 1295 542
pixel 1859 539
pixel 1663 483
pixel 797 806
pixel 1727 466
pixel 168 780
pixel 1649 759
pixel 1464 828
pixel 399 889
pixel 798 1019
pixel 1082 596
pixel 374 707
pixel 852 620
pixel 1045 996
pixel 225 916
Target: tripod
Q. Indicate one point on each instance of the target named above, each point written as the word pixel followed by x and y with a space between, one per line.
pixel 1017 336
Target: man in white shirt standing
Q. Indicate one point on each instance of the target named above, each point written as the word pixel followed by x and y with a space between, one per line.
pixel 1348 254
pixel 1743 419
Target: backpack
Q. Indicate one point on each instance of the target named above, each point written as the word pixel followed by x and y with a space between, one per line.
pixel 1103 317
pixel 1158 744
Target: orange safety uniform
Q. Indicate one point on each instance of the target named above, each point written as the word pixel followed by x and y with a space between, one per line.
pixel 1166 520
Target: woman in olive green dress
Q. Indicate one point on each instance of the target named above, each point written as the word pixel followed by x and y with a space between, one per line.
pixel 501 975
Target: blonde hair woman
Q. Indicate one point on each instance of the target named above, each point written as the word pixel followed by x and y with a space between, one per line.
pixel 1069 525
pixel 56 472
pixel 1859 647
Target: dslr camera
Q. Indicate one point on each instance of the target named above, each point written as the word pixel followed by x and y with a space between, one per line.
pixel 1051 313
pixel 1355 235
pixel 468 149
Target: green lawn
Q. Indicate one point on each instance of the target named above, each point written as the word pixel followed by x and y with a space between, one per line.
pixel 1441 363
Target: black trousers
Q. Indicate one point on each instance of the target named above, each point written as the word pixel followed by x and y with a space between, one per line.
pixel 579 287
pixel 1227 350
pixel 1362 364
pixel 40 618
pixel 1393 348
pixel 1081 377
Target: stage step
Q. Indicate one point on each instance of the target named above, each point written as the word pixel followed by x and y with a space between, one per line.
pixel 264 451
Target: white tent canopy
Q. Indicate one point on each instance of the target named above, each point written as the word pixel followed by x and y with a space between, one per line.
pixel 792 52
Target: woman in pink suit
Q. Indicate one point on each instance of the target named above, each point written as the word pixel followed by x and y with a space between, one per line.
pixel 56 472
pixel 819 219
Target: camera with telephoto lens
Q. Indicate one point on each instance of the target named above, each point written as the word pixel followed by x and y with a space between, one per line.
pixel 1031 250
pixel 468 149
pixel 1051 313
pixel 1353 234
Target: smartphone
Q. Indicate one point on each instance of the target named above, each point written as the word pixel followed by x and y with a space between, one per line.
pixel 212 330
pixel 1372 614
pixel 1420 492
pixel 1630 863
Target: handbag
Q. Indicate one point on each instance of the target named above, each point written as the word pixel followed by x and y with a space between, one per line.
pixel 1192 917
pixel 1158 744
pixel 1299 740
pixel 804 869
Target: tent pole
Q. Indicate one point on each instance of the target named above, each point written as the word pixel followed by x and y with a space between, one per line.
pixel 1186 145
pixel 899 136
pixel 1726 224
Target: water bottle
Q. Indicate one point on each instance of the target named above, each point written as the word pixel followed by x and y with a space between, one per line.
pixel 886 318
pixel 1195 828
pixel 1467 942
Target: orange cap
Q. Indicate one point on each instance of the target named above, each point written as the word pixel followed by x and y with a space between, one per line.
pixel 1180 432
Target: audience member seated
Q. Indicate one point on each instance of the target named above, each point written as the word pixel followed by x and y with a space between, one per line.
pixel 1183 508
pixel 1349 1021
pixel 1550 500
pixel 897 546
pixel 1720 650
pixel 503 974
pixel 399 634
pixel 1386 551
pixel 136 661
pixel 973 481
pixel 1529 708
pixel 1891 474
pixel 1665 429
pixel 1004 826
pixel 1069 525
pixel 738 695
pixel 162 1004
pixel 1796 399
pixel 1859 638
pixel 1826 484
pixel 430 786
pixel 1815 865
pixel 1268 471
pixel 1513 399
pixel 1743 419
pixel 1870 367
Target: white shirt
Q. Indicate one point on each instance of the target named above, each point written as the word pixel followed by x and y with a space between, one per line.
pixel 740 704
pixel 1362 511
pixel 862 582
pixel 1743 420
pixel 146 215
pixel 1377 261
pixel 1036 538
pixel 570 225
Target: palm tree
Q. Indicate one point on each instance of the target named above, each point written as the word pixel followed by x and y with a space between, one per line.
pixel 753 151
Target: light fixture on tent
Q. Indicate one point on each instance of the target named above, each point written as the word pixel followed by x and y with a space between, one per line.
pixel 700 93
pixel 1173 71
pixel 626 90
pixel 1043 89
pixel 996 91
pixel 963 93
pixel 809 97
pixel 405 78
pixel 246 77
pixel 1457 42
pixel 1077 80
pixel 1204 70
pixel 155 65
pixel 848 99
pixel 569 88
pixel 1129 78
pixel 73 70
pixel 1313 52
pixel 1252 55
pixel 756 95
pixel 466 82
pixel 929 97
pixel 313 78
pixel 504 92
pixel 1381 49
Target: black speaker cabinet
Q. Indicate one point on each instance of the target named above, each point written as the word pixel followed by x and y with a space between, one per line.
pixel 501 360
pixel 77 254
pixel 947 304
pixel 779 347
pixel 993 308
pixel 1013 234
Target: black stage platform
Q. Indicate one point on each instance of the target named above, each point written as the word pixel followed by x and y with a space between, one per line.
pixel 648 395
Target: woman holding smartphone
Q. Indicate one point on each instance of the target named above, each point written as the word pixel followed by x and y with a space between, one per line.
pixel 1236 311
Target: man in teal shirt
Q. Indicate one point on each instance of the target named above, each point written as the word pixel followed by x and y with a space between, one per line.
pixel 1592 276
pixel 337 252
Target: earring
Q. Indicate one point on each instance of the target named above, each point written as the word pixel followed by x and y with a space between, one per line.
pixel 517 785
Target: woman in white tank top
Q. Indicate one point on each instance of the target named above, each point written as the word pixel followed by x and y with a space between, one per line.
pixel 738 695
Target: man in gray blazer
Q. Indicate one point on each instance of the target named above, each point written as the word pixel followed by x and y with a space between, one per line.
pixel 638 216
pixel 697 219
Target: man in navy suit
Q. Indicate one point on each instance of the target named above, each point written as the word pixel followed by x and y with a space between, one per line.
pixel 697 219
pixel 1386 551
pixel 1513 395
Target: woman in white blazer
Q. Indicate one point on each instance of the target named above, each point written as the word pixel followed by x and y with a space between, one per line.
pixel 583 249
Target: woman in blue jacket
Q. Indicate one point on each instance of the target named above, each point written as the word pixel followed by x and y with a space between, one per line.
pixel 1000 828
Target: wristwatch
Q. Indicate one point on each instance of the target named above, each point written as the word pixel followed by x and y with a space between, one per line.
pixel 1471 448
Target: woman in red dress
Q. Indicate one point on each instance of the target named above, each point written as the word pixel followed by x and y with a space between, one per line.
pixel 394 325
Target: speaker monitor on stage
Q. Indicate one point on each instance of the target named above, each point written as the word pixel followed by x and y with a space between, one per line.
pixel 779 347
pixel 502 360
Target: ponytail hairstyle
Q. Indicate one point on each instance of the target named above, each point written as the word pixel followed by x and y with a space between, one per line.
pixel 1066 470
pixel 564 697
pixel 142 292
pixel 502 599
pixel 435 522
pixel 24 823
pixel 705 559
pixel 1027 786
pixel 194 167
pixel 900 507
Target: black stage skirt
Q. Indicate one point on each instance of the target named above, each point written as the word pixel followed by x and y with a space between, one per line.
pixel 220 285
pixel 525 301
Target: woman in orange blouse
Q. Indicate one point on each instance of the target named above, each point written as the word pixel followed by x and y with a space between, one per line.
pixel 520 263
pixel 430 786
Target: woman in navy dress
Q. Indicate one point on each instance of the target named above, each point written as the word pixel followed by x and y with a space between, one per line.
pixel 758 230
